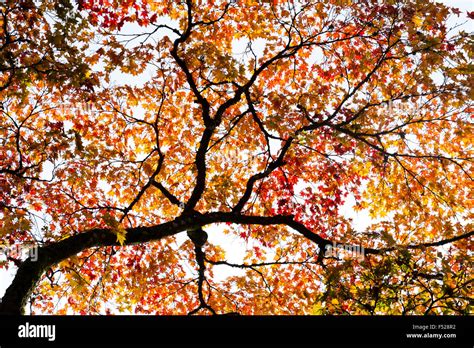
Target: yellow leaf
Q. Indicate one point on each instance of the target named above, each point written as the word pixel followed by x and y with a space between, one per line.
pixel 121 234
pixel 116 228
pixel 317 309
pixel 417 20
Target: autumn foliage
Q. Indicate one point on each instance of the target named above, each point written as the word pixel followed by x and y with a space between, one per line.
pixel 263 129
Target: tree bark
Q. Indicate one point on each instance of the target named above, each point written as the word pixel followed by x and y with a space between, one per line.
pixel 30 271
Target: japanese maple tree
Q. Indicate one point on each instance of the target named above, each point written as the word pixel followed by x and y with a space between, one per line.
pixel 143 142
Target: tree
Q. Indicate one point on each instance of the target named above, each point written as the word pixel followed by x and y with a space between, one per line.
pixel 257 121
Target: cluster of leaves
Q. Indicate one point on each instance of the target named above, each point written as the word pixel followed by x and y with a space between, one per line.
pixel 256 121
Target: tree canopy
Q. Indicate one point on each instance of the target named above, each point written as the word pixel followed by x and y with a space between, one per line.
pixel 256 126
